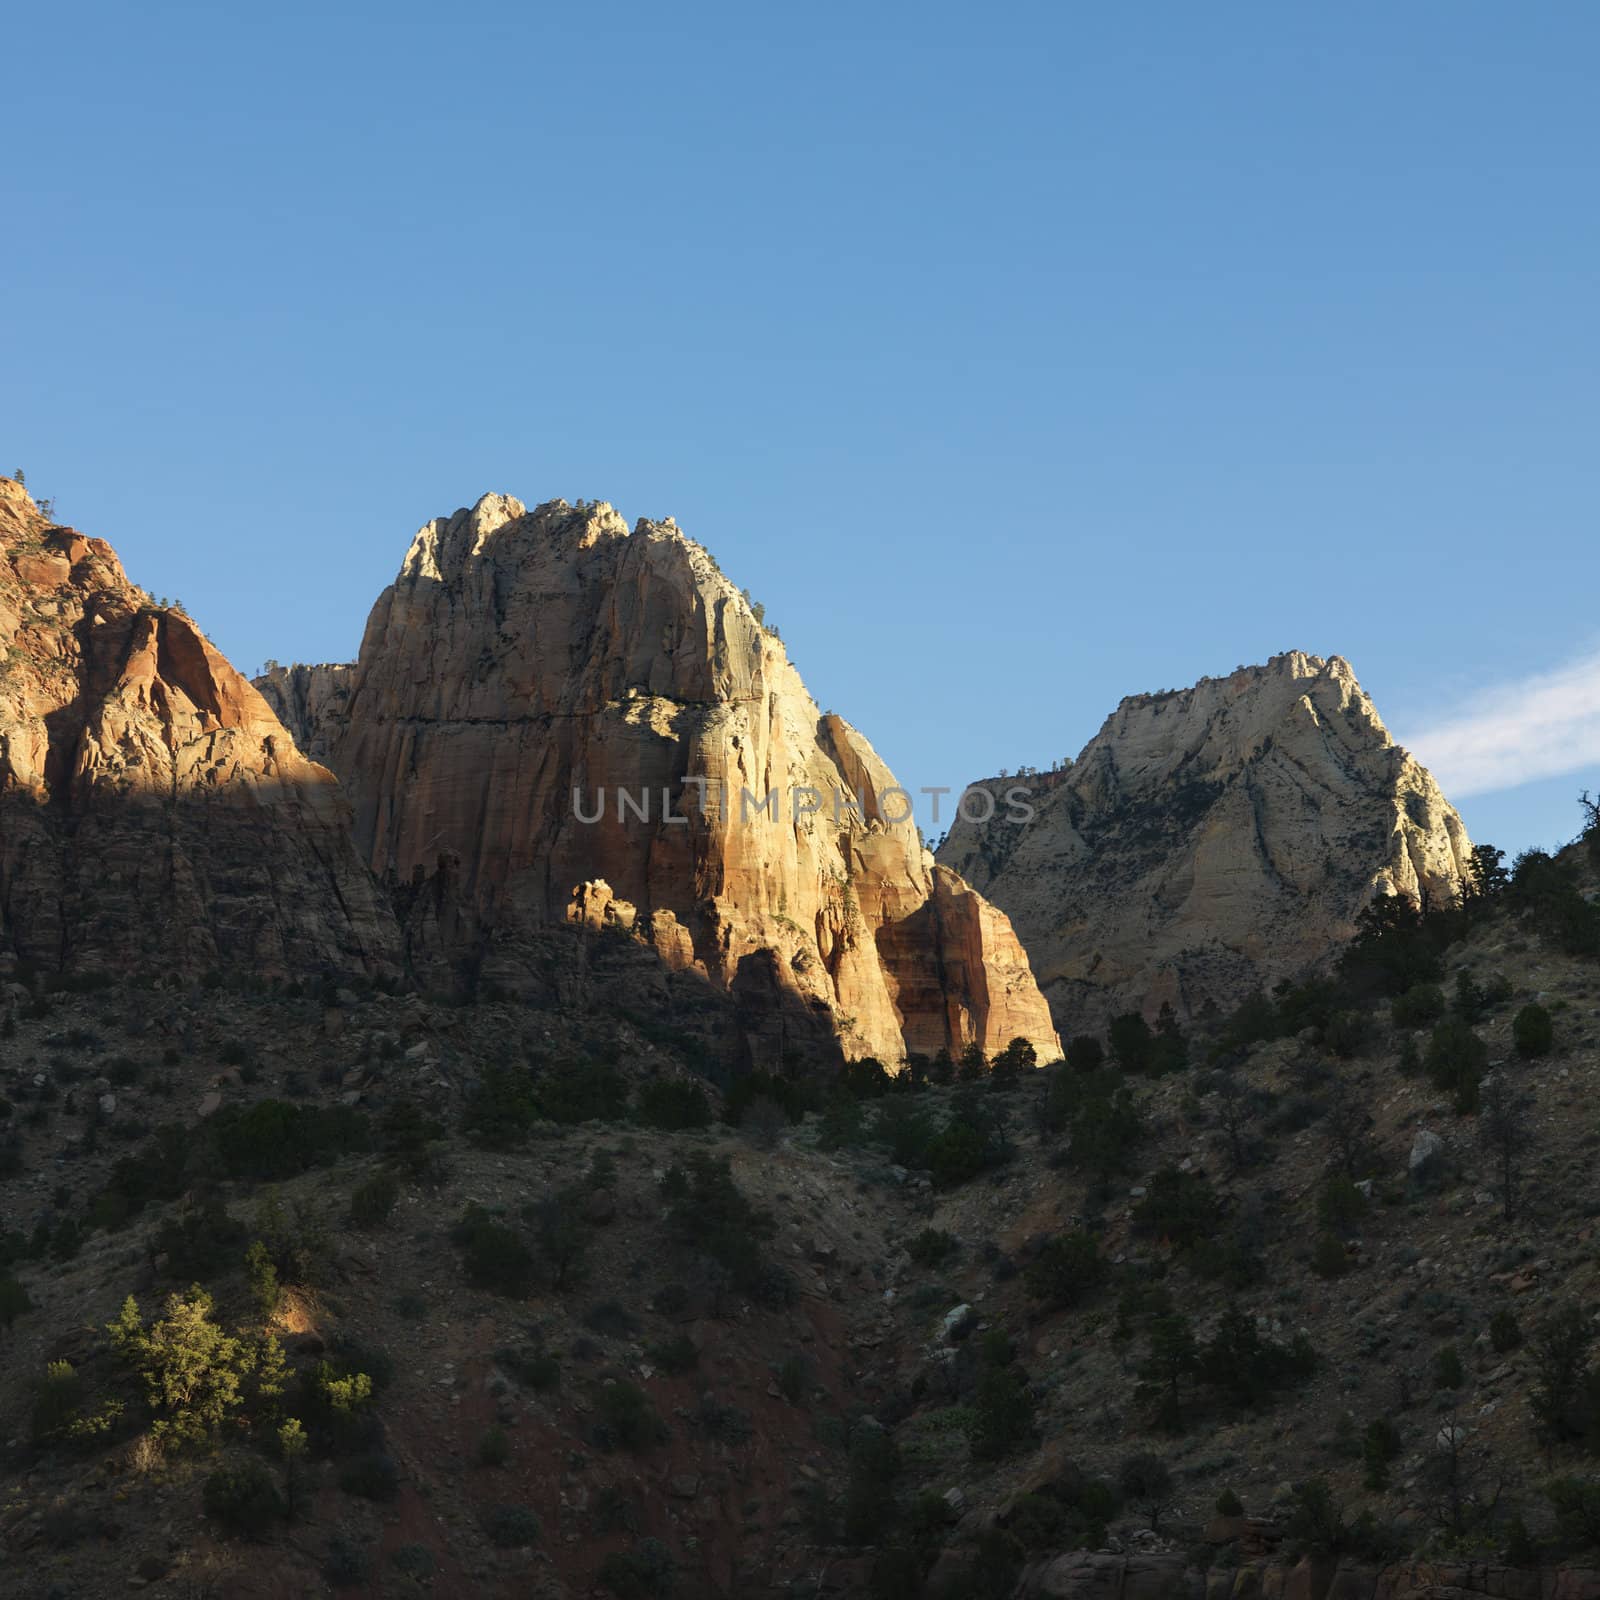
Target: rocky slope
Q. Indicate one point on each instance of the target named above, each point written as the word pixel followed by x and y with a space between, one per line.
pixel 154 813
pixel 1211 840
pixel 556 718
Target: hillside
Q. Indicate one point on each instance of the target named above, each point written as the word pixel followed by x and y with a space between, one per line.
pixel 617 1377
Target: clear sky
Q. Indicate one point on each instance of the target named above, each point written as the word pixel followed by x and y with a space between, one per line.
pixel 1017 357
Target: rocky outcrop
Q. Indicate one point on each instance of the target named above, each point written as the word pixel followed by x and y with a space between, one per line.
pixel 307 699
pixel 1210 840
pixel 154 813
pixel 546 699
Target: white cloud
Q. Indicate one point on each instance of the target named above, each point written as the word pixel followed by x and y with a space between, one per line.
pixel 1512 733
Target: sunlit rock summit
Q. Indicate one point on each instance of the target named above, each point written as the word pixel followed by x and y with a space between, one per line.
pixel 1211 840
pixel 527 670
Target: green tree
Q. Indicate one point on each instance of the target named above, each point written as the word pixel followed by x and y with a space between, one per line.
pixel 1017 1058
pixel 265 1289
pixel 1172 1363
pixel 1146 1480
pixel 1179 1206
pixel 1085 1054
pixel 1066 1269
pixel 1560 1354
pixel 1487 877
pixel 1132 1043
pixel 1503 1131
pixel 1448 1373
pixel 1169 1050
pixel 191 1369
pixel 293 1446
pixel 1380 1446
pixel 559 1234
pixel 14 1301
pixel 1456 1061
pixel 1532 1031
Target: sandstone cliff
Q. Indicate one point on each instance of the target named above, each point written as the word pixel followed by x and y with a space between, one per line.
pixel 154 814
pixel 1212 840
pixel 530 670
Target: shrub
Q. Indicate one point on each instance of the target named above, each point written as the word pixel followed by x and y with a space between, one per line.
pixel 1448 1372
pixel 201 1241
pixel 1456 1061
pixel 415 1561
pixel 611 1320
pixel 957 1154
pixel 627 1417
pixel 1146 1480
pixel 676 1355
pixel 1417 1008
pixel 590 1093
pixel 56 1399
pixel 1341 1205
pixel 643 1573
pixel 673 1106
pixel 932 1247
pixel 275 1139
pixel 1504 1332
pixel 1085 1054
pixel 869 1490
pixel 1229 1504
pixel 1328 1258
pixel 493 1255
pixel 1576 1503
pixel 502 1108
pixel 1380 1446
pixel 1132 1043
pixel 243 1499
pixel 1068 1267
pixel 796 1378
pixel 372 1201
pixel 1179 1206
pixel 494 1448
pixel 1004 1411
pixel 1248 1369
pixel 531 1368
pixel 1532 1031
pixel 14 1301
pixel 346 1563
pixel 707 1210
pixel 372 1475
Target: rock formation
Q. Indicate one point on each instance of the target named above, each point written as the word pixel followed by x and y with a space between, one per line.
pixel 1211 840
pixel 154 814
pixel 565 718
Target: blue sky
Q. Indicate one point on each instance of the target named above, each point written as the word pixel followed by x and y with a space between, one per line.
pixel 1018 358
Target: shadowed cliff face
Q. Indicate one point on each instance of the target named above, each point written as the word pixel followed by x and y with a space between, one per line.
pixel 1210 841
pixel 521 658
pixel 153 811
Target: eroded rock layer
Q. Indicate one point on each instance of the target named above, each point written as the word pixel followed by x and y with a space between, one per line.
pixel 154 813
pixel 1211 840
pixel 562 714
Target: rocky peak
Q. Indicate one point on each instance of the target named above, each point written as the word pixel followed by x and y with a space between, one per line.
pixel 155 811
pixel 1212 839
pixel 529 666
